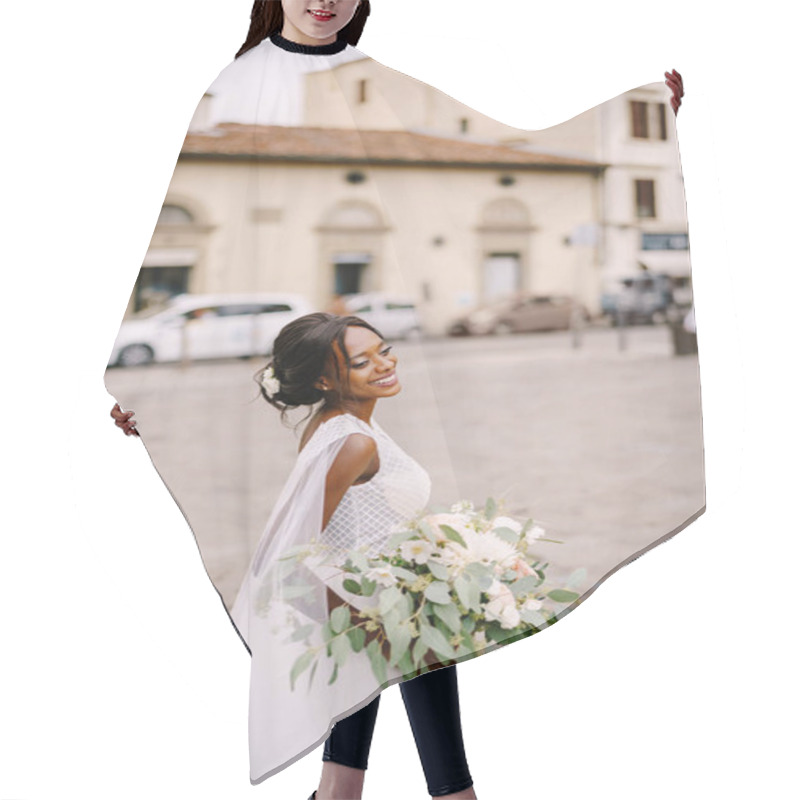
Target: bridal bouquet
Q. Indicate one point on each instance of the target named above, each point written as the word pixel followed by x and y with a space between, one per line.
pixel 445 588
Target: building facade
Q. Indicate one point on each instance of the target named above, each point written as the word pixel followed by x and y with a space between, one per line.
pixel 386 184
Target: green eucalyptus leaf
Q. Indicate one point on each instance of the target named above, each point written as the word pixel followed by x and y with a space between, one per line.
pixel 507 534
pixel 437 569
pixel 406 606
pixel 453 535
pixel 468 592
pixel 368 587
pixel 340 618
pixel 340 649
pixel 389 598
pixel 438 592
pixel 533 618
pixel 490 509
pixel 300 665
pixel 335 674
pixel 524 585
pixel 485 581
pixel 450 616
pixel 377 661
pixel 494 633
pixel 527 526
pixel 436 641
pixel 563 596
pixel 400 639
pixel 404 574
pixel 352 586
pixel 357 637
pixel 406 663
pixel 418 652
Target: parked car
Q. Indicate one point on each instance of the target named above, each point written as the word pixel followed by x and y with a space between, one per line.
pixel 394 317
pixel 520 314
pixel 205 326
pixel 642 298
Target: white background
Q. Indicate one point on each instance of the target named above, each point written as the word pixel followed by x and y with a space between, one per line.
pixel 120 675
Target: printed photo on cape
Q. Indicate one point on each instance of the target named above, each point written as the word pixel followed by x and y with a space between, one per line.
pixel 536 289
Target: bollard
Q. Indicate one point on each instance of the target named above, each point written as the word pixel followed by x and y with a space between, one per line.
pixel 622 332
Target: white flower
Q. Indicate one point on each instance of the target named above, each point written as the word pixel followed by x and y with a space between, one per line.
pixel 453 555
pixel 498 589
pixel 502 606
pixel 487 548
pixel 416 550
pixel 498 611
pixel 381 575
pixel 482 548
pixel 479 640
pixel 270 383
pixel 536 532
pixel 507 522
pixel 462 507
pixel 532 604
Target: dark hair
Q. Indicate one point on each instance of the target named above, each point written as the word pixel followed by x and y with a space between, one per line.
pixel 300 354
pixel 266 18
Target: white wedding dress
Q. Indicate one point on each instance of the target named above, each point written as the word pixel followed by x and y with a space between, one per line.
pixel 286 724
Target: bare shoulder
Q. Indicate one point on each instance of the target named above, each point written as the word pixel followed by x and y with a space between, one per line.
pixel 357 460
pixel 358 446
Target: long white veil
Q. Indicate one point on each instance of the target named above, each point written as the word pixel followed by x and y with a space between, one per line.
pixel 279 612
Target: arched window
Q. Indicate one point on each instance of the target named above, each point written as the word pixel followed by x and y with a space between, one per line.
pixel 352 233
pixel 174 215
pixel 505 213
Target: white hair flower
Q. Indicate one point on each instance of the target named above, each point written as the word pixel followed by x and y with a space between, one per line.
pixel 270 383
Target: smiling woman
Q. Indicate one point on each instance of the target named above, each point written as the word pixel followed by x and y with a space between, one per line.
pixel 352 488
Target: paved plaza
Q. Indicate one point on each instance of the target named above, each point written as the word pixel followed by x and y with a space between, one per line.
pixel 600 444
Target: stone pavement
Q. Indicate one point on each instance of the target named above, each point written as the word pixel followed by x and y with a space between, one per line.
pixel 603 446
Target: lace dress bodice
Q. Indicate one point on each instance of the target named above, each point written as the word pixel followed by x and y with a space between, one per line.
pixel 370 512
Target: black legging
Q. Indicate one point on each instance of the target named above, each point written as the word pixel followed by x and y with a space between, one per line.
pixel 432 706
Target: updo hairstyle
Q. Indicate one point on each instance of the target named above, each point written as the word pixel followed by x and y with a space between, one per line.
pixel 301 352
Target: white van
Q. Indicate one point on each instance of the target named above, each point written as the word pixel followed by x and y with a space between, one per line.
pixel 201 326
pixel 394 317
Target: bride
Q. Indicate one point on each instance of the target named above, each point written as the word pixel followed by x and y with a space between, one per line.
pixel 351 485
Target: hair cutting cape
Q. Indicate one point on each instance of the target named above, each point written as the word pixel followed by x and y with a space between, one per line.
pixel 536 287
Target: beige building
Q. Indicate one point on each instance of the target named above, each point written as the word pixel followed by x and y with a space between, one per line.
pixel 320 211
pixel 641 222
pixel 388 184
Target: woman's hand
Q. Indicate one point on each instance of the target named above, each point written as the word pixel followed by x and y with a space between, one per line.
pixel 675 83
pixel 124 420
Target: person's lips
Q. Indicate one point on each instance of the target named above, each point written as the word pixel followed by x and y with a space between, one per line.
pixel 387 380
pixel 322 16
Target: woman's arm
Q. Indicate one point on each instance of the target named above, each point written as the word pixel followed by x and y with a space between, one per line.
pixel 353 462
